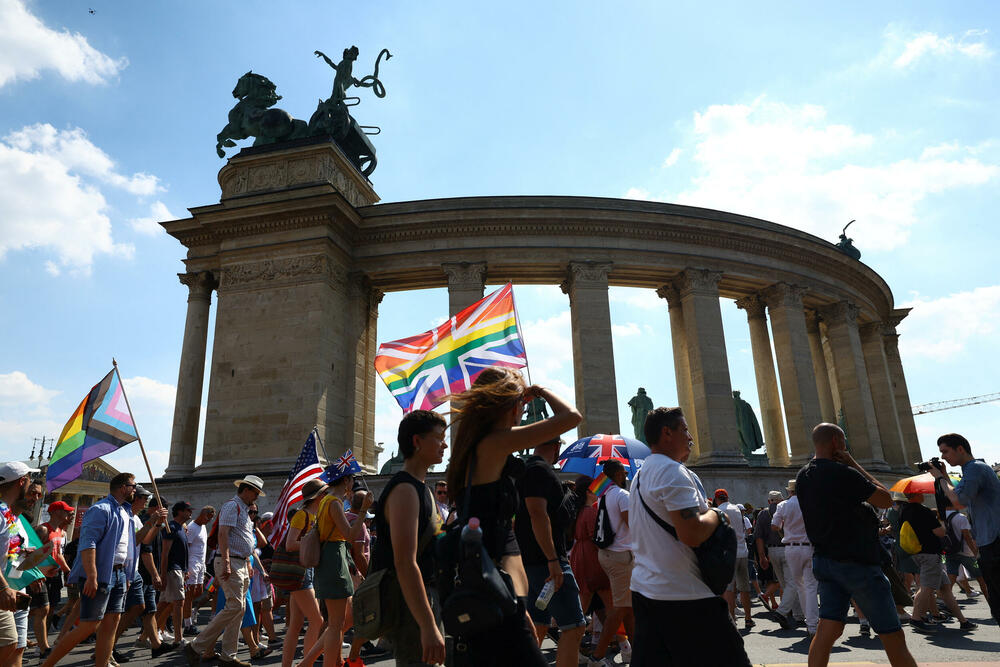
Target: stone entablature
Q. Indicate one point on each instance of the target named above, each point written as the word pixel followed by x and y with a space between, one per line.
pixel 301 256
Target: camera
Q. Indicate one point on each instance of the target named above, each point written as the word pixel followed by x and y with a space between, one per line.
pixel 925 466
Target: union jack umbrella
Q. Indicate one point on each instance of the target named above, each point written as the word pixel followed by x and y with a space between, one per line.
pixel 587 455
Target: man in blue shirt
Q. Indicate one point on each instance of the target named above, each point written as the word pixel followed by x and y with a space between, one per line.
pixel 104 567
pixel 979 490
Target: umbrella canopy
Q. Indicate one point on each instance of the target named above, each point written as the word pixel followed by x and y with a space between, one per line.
pixel 587 455
pixel 923 483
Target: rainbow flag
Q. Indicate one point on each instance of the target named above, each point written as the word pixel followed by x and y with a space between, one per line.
pixel 600 485
pixel 422 370
pixel 100 424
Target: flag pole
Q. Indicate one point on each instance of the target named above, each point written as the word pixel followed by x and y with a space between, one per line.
pixel 156 491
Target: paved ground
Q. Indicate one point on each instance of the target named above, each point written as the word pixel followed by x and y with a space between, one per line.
pixel 766 644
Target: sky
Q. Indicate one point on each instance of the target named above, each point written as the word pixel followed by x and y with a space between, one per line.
pixel 804 116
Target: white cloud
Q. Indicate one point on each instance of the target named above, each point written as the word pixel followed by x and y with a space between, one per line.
pixel 924 333
pixel 637 193
pixel 150 225
pixel 17 390
pixel 645 299
pixel 28 46
pixel 150 394
pixel 671 159
pixel 547 343
pixel 625 330
pixel 791 165
pixel 928 44
pixel 51 197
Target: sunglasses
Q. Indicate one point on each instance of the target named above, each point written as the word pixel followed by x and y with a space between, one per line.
pixel 442 493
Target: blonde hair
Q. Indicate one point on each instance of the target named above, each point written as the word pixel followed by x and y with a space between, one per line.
pixel 475 414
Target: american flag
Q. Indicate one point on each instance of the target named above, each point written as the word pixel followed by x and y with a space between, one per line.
pixel 307 467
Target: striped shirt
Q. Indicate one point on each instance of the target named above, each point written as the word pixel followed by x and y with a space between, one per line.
pixel 234 514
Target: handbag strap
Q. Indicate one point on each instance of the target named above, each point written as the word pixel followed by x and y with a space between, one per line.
pixel 463 515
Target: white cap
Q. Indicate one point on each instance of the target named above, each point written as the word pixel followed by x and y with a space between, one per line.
pixel 742 508
pixel 15 470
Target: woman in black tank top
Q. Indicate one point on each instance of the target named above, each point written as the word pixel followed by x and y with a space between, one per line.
pixel 487 422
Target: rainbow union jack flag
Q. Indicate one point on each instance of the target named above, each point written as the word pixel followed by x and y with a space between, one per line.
pixel 420 371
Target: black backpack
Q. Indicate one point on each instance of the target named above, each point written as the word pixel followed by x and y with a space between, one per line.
pixel 604 536
pixel 951 543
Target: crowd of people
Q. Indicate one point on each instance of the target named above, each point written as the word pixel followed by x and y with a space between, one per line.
pixel 504 553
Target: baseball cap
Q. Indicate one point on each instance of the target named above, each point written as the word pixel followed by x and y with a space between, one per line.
pixel 180 506
pixel 722 493
pixel 60 505
pixel 267 516
pixel 741 507
pixel 15 470
pixel 142 491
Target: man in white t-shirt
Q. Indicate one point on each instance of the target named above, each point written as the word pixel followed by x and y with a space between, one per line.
pixel 616 559
pixel 798 558
pixel 968 556
pixel 678 620
pixel 196 535
pixel 741 578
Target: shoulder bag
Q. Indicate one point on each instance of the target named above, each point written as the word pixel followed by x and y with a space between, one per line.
pixel 716 555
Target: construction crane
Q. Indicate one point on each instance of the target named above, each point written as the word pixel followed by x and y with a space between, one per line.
pixel 957 403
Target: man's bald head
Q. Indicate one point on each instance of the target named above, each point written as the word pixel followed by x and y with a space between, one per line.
pixel 828 438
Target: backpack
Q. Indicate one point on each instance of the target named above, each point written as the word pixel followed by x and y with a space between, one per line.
pixel 212 542
pixel 951 543
pixel 908 540
pixel 604 536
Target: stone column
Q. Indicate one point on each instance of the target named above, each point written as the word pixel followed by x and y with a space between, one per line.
pixel 466 281
pixel 593 350
pixel 682 368
pixel 911 444
pixel 852 383
pixel 363 300
pixel 74 502
pixel 772 422
pixel 190 378
pixel 795 366
pixel 826 406
pixel 712 392
pixel 883 394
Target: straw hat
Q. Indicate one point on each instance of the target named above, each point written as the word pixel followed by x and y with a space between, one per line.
pixel 252 480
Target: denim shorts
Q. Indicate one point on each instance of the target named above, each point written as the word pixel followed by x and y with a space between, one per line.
pixel 307 580
pixel 565 603
pixel 134 597
pixel 954 561
pixel 840 581
pixel 149 594
pixel 21 621
pixel 109 598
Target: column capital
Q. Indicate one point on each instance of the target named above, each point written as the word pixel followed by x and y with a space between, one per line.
pixel 840 312
pixel 783 295
pixel 897 316
pixel 359 286
pixel 699 281
pixel 812 321
pixel 587 274
pixel 876 328
pixel 199 283
pixel 754 306
pixel 671 294
pixel 465 275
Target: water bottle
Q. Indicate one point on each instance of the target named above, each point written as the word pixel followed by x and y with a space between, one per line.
pixel 548 590
pixel 472 538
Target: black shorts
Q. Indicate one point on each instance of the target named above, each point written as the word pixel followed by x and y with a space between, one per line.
pixel 680 633
pixel 54 586
pixel 39 599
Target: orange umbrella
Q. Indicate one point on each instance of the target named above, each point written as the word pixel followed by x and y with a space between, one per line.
pixel 923 483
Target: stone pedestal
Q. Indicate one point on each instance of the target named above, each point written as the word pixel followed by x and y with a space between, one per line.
pixel 795 366
pixel 712 392
pixel 852 384
pixel 190 378
pixel 772 421
pixel 593 349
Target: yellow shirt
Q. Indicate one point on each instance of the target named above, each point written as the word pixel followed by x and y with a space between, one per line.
pixel 302 520
pixel 328 531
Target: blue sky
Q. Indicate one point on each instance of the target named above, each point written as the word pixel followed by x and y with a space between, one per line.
pixel 883 112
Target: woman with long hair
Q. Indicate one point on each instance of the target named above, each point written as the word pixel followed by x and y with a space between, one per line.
pixel 334 585
pixel 486 427
pixel 302 605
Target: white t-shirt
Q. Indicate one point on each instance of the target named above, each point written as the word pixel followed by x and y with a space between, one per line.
pixel 618 502
pixel 788 517
pixel 121 553
pixel 665 568
pixel 958 524
pixel 197 539
pixel 736 520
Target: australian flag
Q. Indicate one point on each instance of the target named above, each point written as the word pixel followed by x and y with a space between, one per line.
pixel 344 464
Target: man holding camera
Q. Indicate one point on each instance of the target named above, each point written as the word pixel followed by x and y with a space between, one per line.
pixel 979 490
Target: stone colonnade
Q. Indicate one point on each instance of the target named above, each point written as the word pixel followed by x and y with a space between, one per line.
pixel 824 366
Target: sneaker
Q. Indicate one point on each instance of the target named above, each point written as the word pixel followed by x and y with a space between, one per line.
pixel 193 658
pixel 626 653
pixel 354 662
pixel 866 630
pixel 784 621
pixel 163 649
pixel 118 656
pixel 923 627
pixel 968 626
pixel 973 593
pixel 748 623
pixel 369 650
pixel 191 631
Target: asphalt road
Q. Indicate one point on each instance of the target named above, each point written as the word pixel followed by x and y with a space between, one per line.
pixel 766 644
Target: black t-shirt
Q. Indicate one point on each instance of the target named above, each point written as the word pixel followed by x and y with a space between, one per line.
pixel 840 524
pixel 924 522
pixel 540 481
pixel 155 547
pixel 177 557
